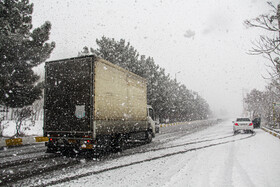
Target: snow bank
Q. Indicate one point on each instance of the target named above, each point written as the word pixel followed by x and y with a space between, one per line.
pixel 29 128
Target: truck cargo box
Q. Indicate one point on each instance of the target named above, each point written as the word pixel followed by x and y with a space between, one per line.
pixel 91 97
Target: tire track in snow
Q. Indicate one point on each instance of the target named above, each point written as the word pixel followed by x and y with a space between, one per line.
pixel 24 175
pixel 179 145
pixel 26 161
pixel 67 179
pixel 14 177
pixel 242 173
pixel 228 167
pixel 11 177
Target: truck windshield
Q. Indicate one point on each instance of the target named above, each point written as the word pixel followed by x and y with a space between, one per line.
pixel 68 95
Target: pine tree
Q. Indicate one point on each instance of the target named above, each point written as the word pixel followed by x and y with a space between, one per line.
pixel 21 49
pixel 117 52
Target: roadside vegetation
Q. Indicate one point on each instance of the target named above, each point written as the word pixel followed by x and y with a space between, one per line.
pixel 265 103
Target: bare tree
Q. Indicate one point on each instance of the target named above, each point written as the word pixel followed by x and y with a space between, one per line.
pixel 269 45
pixel 21 115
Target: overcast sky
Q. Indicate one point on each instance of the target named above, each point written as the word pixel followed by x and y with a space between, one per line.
pixel 205 40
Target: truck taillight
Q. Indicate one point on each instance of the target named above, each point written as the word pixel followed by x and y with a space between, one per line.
pixel 236 124
pixel 250 124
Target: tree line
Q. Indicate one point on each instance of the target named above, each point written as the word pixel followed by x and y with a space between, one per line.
pixel 170 99
pixel 265 103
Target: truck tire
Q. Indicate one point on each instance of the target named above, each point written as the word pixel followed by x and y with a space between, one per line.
pixel 118 144
pixel 149 137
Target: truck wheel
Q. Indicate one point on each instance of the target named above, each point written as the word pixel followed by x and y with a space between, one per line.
pixel 118 144
pixel 149 137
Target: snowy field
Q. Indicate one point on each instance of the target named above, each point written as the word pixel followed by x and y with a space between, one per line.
pixel 28 128
pixel 252 161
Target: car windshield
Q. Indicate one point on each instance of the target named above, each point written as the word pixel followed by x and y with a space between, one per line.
pixel 243 119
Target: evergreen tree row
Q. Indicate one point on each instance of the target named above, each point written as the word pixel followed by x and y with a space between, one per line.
pixel 21 49
pixel 170 99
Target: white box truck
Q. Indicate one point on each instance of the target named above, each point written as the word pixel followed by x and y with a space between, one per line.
pixel 90 102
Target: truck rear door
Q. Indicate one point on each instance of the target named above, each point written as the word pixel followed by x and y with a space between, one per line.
pixel 67 95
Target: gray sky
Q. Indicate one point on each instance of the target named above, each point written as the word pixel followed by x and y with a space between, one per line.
pixel 205 40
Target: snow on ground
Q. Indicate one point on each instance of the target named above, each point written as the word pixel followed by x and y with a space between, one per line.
pixel 29 128
pixel 249 162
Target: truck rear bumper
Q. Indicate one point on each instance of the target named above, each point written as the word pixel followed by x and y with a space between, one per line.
pixel 69 144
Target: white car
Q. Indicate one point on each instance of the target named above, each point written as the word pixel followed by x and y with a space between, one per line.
pixel 242 124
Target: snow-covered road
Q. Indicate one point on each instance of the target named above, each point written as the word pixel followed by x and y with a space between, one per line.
pixel 199 153
pixel 253 161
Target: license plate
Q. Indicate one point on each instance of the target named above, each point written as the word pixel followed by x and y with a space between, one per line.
pixel 71 141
